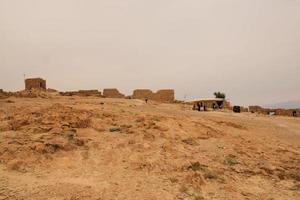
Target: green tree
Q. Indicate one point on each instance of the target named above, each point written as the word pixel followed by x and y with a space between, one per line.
pixel 220 95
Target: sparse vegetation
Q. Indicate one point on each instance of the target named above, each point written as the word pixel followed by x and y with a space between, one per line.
pixel 190 141
pixel 196 166
pixel 115 129
pixel 231 160
pixel 198 197
pixel 295 175
pixel 174 180
pixel 295 187
pixel 10 101
pixel 207 173
pixel 156 118
pixel 191 192
pixel 140 119
pixel 220 95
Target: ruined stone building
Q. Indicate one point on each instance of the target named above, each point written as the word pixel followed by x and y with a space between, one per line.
pixel 167 95
pixel 112 93
pixel 89 93
pixel 278 111
pixel 35 83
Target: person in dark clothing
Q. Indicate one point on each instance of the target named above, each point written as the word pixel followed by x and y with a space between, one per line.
pixel 146 100
pixel 294 114
pixel 199 107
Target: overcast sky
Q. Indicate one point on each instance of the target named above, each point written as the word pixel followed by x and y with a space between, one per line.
pixel 250 49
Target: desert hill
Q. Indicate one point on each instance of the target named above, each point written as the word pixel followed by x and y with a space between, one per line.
pixel 98 148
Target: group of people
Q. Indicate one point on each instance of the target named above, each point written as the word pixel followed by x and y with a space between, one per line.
pixel 201 106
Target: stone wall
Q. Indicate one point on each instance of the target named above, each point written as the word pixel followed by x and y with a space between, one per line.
pixel 35 83
pixel 89 93
pixel 280 112
pixel 288 112
pixel 112 93
pixel 167 95
pixel 256 109
pixel 164 95
pixel 142 94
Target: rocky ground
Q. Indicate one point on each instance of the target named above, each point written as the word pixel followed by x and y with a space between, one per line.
pixel 94 148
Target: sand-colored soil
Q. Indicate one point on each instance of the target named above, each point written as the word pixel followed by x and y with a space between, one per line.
pixel 94 148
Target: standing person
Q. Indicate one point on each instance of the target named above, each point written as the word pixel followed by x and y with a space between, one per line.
pixel 146 100
pixel 199 107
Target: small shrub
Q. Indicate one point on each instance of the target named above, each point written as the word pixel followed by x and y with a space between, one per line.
pixel 190 141
pixel 174 180
pixel 295 187
pixel 126 126
pixel 196 166
pixel 10 101
pixel 140 119
pixel 198 197
pixel 295 175
pixel 183 189
pixel 156 118
pixel 191 192
pixel 161 128
pixel 231 160
pixel 115 129
pixel 208 174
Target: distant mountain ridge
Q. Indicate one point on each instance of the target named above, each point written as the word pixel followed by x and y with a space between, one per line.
pixel 285 105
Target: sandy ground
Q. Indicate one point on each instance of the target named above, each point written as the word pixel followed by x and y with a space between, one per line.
pixel 95 148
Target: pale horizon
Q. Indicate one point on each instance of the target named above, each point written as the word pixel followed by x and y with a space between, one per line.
pixel 248 49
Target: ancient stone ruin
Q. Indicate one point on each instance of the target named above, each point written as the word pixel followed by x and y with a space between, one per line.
pixel 2 94
pixel 35 83
pixel 279 111
pixel 142 94
pixel 167 95
pixel 112 93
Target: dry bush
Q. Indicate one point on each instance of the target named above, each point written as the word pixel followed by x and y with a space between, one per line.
pixel 190 141
pixel 115 129
pixel 231 160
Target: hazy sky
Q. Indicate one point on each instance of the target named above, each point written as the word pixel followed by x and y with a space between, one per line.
pixel 250 49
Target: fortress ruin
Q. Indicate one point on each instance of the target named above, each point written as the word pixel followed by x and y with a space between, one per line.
pixel 112 93
pixel 279 111
pixel 166 95
pixel 35 83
